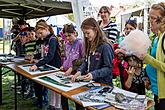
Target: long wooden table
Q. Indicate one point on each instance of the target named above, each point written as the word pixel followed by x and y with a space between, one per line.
pixel 68 94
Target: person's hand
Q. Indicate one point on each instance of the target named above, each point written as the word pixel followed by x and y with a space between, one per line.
pixel 68 72
pixel 33 61
pixel 29 57
pixel 131 71
pixel 88 77
pixel 147 84
pixel 120 51
pixel 61 68
pixel 74 77
pixel 141 56
pixel 33 68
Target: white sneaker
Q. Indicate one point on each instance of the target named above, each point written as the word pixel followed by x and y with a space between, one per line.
pixel 17 87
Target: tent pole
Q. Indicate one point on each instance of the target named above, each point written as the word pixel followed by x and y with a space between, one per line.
pixel 77 8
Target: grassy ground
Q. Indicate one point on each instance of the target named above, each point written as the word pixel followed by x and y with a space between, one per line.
pixel 8 96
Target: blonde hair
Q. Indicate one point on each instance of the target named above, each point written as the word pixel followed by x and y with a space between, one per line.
pixel 161 7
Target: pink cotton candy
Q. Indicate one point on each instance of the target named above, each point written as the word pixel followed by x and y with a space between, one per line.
pixel 136 42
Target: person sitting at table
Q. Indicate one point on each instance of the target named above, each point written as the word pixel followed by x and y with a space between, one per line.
pixel 99 54
pixel 50 53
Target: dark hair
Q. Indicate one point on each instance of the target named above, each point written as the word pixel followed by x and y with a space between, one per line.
pixel 135 59
pixel 132 23
pixel 31 29
pixel 105 8
pixel 21 22
pixel 64 28
pixel 69 28
pixel 91 23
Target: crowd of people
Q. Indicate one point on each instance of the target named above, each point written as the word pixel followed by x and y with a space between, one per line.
pixel 97 56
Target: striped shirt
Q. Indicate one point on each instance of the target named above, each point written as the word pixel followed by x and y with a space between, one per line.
pixel 30 47
pixel 110 31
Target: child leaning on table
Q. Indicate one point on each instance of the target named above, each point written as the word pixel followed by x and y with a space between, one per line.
pixel 30 45
pixel 50 55
pixel 99 54
pixel 30 48
pixel 73 50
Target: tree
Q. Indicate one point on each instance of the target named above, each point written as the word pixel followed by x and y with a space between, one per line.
pixel 71 17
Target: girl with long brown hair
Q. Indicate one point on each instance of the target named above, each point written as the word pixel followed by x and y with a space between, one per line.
pixel 99 54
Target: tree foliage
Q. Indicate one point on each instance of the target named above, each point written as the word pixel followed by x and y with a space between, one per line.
pixel 71 17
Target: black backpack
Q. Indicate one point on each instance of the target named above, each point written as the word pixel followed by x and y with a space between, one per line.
pixel 163 43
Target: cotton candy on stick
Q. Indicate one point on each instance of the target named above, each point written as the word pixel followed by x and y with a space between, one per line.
pixel 136 43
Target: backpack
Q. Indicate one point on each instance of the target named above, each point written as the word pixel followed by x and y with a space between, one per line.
pixel 163 43
pixel 60 45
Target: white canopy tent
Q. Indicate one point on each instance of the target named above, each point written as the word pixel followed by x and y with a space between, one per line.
pixel 57 22
pixel 140 12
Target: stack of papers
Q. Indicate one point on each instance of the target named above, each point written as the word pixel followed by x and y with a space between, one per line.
pixel 58 80
pixel 128 99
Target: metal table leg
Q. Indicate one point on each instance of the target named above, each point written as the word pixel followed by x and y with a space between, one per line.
pixel 0 85
pixel 15 91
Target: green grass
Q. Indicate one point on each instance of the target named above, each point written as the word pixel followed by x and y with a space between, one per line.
pixel 8 95
pixel 23 104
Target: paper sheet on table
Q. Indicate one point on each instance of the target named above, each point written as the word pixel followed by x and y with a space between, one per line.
pixel 90 102
pixel 141 96
pixel 124 92
pixel 27 66
pixel 86 104
pixel 18 59
pixel 59 80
